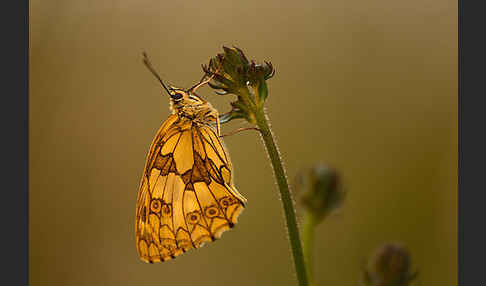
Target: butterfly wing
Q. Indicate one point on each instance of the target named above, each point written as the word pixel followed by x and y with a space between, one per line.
pixel 186 194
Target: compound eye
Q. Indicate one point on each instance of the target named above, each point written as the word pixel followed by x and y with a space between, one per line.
pixel 176 96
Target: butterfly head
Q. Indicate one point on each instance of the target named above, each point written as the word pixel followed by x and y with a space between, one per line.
pixel 180 97
pixel 186 102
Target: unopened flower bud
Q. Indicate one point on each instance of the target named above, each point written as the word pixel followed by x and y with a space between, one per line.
pixel 389 266
pixel 321 191
pixel 233 73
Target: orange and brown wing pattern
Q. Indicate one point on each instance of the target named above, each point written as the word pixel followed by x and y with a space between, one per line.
pixel 186 195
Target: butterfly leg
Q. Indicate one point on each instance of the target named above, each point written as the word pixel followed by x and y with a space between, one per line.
pixel 201 82
pixel 239 130
pixel 219 125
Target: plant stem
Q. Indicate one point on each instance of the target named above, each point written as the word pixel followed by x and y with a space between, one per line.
pixel 308 242
pixel 286 197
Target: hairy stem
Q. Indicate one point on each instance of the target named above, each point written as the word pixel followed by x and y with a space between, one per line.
pixel 308 232
pixel 286 196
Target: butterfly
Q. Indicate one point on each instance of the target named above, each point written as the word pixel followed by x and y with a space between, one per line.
pixel 186 195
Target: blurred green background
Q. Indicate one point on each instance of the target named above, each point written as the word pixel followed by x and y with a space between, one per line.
pixel 368 87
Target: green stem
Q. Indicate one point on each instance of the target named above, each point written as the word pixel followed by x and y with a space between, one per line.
pixel 308 242
pixel 290 217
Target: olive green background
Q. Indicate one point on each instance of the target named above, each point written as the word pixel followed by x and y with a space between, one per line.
pixel 368 87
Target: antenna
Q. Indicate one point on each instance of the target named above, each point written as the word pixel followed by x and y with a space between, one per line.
pixel 148 64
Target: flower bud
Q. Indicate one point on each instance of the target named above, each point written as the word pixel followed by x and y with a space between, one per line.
pixel 389 266
pixel 322 193
pixel 233 73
